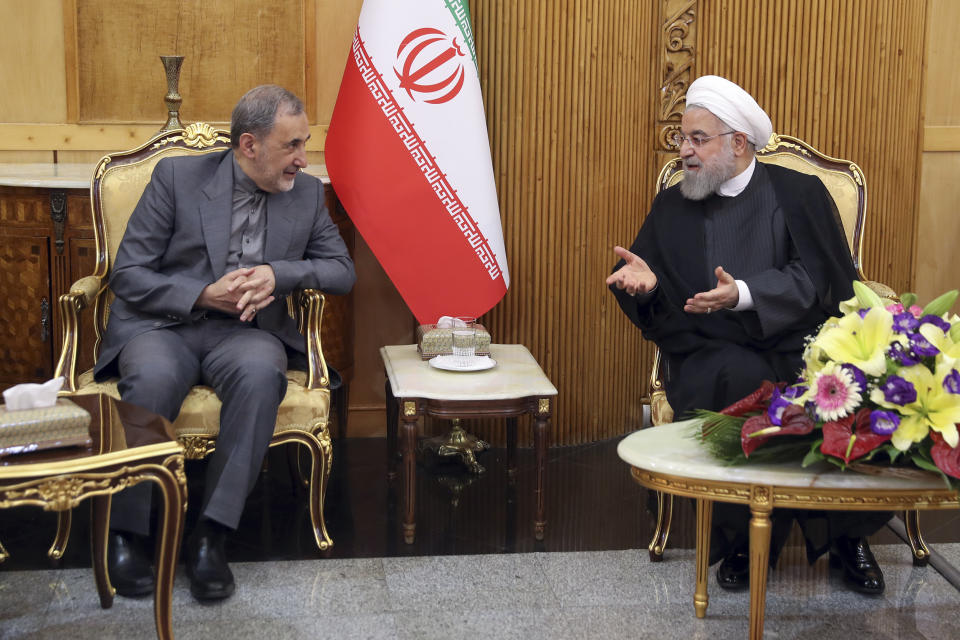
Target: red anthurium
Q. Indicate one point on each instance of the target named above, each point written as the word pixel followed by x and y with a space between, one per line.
pixel 851 437
pixel 750 436
pixel 758 429
pixel 759 400
pixel 795 422
pixel 946 458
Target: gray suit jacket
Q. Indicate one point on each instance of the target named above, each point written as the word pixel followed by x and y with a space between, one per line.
pixel 176 244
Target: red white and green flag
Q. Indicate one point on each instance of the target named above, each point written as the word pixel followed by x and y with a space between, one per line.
pixel 408 155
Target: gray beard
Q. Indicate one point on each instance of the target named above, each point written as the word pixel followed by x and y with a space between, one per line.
pixel 706 181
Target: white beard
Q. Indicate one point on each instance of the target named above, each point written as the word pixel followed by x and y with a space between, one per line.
pixel 705 182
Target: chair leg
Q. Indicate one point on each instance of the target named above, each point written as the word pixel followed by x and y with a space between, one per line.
pixel 3 553
pixel 921 554
pixel 59 546
pixel 321 457
pixel 298 479
pixel 662 532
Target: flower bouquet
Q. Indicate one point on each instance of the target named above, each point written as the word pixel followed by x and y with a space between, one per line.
pixel 879 392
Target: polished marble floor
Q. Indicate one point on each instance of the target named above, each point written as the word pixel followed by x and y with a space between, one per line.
pixel 475 569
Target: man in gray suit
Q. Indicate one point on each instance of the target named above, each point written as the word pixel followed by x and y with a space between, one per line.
pixel 212 250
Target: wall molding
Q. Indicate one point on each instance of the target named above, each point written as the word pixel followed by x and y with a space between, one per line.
pixel 941 139
pixel 100 137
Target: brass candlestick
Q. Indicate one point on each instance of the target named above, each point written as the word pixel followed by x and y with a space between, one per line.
pixel 171 65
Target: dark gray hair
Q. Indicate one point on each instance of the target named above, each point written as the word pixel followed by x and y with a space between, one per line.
pixel 258 109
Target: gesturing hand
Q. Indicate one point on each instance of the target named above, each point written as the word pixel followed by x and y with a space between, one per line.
pixel 726 295
pixel 635 276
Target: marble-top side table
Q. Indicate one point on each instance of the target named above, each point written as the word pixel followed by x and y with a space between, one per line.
pixel 669 458
pixel 515 386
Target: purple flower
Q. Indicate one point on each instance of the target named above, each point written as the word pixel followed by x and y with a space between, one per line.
pixel 902 355
pixel 899 391
pixel 858 377
pixel 883 423
pixel 863 312
pixel 778 402
pixel 905 322
pixel 951 382
pixel 936 321
pixel 921 346
pixel 795 391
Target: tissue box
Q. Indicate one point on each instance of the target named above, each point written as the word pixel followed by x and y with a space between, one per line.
pixel 62 425
pixel 433 341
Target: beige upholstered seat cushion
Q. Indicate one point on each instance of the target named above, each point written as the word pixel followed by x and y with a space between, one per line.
pixel 302 409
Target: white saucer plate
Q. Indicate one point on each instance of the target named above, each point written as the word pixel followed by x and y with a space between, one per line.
pixel 450 363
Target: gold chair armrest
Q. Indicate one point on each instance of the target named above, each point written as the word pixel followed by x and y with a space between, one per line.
pixel 882 290
pixel 82 295
pixel 309 315
pixel 660 410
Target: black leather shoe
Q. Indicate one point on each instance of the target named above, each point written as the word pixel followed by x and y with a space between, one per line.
pixel 733 574
pixel 860 569
pixel 210 576
pixel 129 568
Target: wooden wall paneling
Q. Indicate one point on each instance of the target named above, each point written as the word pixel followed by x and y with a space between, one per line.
pixel 567 91
pixel 32 70
pixel 229 46
pixel 868 64
pixel 938 226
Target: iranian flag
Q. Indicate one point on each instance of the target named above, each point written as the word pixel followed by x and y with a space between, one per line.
pixel 408 156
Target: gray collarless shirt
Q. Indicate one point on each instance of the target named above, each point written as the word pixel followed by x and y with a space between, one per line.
pixel 248 224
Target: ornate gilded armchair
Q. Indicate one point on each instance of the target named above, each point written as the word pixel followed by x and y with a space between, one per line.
pixel 845 182
pixel 118 182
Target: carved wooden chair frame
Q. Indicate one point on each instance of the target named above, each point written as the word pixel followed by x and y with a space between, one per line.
pixel 310 388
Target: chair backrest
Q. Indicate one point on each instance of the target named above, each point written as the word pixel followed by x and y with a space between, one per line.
pixel 842 178
pixel 119 180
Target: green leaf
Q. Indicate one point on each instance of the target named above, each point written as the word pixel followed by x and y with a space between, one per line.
pixel 941 304
pixel 908 300
pixel 866 296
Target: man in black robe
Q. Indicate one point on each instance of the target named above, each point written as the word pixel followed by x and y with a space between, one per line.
pixel 729 273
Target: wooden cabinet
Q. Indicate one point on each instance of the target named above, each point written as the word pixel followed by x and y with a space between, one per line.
pixel 46 243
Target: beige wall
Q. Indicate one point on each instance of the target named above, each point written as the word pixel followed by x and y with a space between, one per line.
pixel 937 268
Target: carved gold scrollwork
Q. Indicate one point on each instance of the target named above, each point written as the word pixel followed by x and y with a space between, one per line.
pixel 195 447
pixel 197 135
pixel 678 36
pixel 543 406
pixel 62 493
pixel 409 408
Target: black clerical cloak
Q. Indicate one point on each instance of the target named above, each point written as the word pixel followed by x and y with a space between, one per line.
pixel 673 242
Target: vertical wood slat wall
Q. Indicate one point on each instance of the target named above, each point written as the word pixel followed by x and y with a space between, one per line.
pixel 846 77
pixel 569 109
pixel 570 89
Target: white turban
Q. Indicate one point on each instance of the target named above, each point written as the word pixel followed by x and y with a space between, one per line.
pixel 734 106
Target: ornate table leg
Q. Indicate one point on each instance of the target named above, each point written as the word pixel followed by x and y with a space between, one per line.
pixel 409 446
pixel 541 426
pixel 512 448
pixel 760 531
pixel 100 523
pixel 704 523
pixel 64 520
pixel 173 487
pixel 921 554
pixel 392 418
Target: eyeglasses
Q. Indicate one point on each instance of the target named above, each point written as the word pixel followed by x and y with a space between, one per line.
pixel 696 141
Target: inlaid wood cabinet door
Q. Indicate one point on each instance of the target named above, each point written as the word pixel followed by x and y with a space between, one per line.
pixel 26 310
